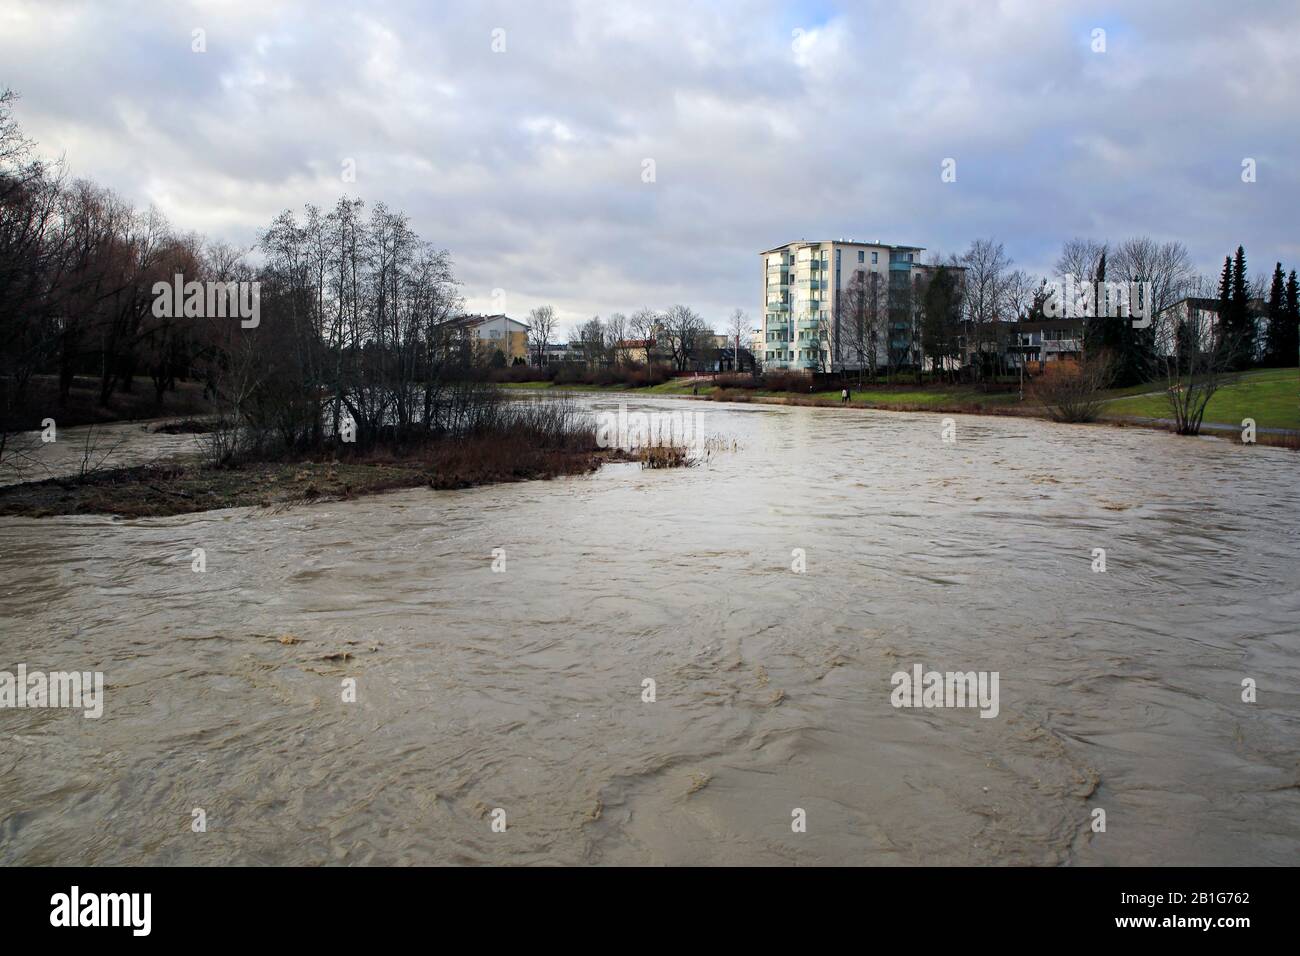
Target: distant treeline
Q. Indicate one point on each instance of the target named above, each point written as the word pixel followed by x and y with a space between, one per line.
pixel 351 305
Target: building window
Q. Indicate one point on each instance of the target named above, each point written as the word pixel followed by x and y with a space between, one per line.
pixel 875 258
pixel 862 256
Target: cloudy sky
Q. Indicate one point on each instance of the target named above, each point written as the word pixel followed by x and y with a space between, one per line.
pixel 766 122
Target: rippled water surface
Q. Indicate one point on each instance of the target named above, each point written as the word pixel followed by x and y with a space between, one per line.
pixel 522 690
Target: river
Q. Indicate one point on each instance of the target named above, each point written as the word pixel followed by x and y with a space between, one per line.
pixel 522 690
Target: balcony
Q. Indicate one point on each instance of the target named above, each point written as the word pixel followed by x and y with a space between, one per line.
pixel 1062 345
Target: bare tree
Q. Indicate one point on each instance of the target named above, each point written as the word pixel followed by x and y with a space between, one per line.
pixel 1158 275
pixel 590 339
pixel 1081 258
pixel 646 325
pixel 853 313
pixel 684 331
pixel 1018 294
pixel 1166 266
pixel 541 326
pixel 1196 354
pixel 615 335
pixel 986 264
pixel 737 327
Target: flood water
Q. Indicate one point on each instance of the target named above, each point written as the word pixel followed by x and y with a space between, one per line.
pixel 522 690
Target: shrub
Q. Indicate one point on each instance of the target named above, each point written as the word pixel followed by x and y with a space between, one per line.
pixel 1071 391
pixel 730 380
pixel 786 380
pixel 664 456
pixel 524 373
pixel 644 376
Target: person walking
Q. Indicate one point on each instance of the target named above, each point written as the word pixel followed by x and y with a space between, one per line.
pixel 844 396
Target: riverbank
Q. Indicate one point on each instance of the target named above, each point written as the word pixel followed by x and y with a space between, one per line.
pixel 1269 396
pixel 186 486
pixel 84 408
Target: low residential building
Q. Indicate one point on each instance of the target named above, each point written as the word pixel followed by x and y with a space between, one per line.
pixel 489 334
pixel 1038 342
pixel 640 350
pixel 557 352
pixel 1202 314
pixel 718 353
pixel 802 282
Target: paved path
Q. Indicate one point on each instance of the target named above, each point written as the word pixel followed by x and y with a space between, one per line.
pixel 1205 426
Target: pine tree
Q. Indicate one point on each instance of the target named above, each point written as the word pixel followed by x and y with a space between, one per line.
pixel 1103 334
pixel 1289 346
pixel 1225 292
pixel 1242 323
pixel 1276 318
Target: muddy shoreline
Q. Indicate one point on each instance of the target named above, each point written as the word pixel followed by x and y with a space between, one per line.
pixel 185 487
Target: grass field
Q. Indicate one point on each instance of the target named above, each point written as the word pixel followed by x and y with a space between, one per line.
pixel 945 397
pixel 1270 396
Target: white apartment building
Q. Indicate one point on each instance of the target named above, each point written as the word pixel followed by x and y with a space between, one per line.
pixel 801 282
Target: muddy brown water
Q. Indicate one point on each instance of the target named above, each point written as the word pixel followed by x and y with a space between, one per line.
pixel 90 448
pixel 522 690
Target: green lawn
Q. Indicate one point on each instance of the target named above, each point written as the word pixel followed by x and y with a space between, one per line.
pixel 919 397
pixel 925 397
pixel 1270 396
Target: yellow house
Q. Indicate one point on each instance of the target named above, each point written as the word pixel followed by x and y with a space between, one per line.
pixel 492 333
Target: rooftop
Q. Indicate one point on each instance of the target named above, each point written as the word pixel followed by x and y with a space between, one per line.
pixel 470 321
pixel 844 242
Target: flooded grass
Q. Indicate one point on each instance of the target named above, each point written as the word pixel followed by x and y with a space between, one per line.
pixel 664 456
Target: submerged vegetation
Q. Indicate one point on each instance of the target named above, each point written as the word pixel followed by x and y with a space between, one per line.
pixel 507 441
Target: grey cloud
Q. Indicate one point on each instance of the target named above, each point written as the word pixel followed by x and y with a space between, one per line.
pixel 526 164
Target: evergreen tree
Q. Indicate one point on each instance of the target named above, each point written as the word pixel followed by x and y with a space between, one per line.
pixel 1276 318
pixel 1103 334
pixel 1225 288
pixel 940 318
pixel 1289 346
pixel 1241 324
pixel 1225 298
pixel 1038 307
